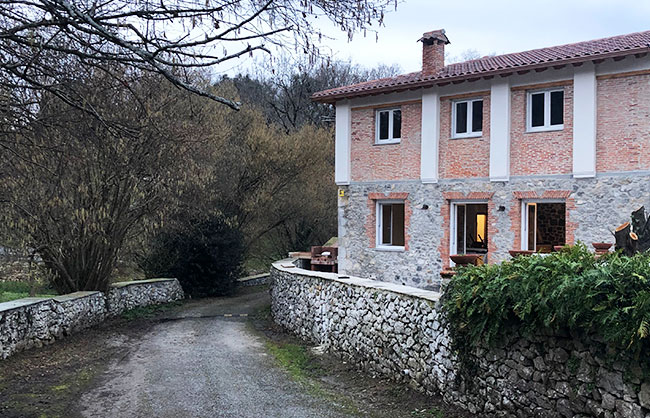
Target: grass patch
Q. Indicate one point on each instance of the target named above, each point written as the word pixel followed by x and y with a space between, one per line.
pixel 294 359
pixel 59 388
pixel 17 290
pixel 148 312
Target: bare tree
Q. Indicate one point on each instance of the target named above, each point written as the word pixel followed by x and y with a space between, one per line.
pixel 85 188
pixel 284 92
pixel 41 39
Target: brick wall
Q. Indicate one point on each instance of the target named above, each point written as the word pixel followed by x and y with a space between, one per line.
pixel 463 157
pixel 390 161
pixel 534 153
pixel 622 135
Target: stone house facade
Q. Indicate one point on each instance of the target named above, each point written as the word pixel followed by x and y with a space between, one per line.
pixel 527 151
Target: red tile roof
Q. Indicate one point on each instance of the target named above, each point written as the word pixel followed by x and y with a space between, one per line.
pixel 580 52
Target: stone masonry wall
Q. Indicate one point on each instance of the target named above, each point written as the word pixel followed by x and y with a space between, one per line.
pixel 594 207
pixel 30 322
pixel 397 331
pixel 128 295
pixel 34 322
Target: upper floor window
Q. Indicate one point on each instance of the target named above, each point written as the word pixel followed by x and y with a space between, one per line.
pixel 388 126
pixel 467 118
pixel 545 110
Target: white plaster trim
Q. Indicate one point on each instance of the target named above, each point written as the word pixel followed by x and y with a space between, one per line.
pixel 430 137
pixel 584 121
pixel 391 248
pixel 342 165
pixel 429 180
pixel 500 130
pixel 357 281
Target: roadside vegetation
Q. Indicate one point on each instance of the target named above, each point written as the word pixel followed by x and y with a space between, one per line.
pixel 17 289
pixel 340 381
pixel 571 290
pixel 114 137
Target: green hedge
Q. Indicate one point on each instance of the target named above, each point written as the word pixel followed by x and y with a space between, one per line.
pixel 570 290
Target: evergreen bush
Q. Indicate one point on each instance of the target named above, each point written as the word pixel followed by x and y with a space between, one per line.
pixel 205 257
pixel 570 290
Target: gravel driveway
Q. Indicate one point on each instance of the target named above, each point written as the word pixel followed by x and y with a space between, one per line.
pixel 203 361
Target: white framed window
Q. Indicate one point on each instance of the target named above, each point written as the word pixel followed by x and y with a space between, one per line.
pixel 468 228
pixel 390 225
pixel 388 126
pixel 543 224
pixel 467 118
pixel 545 110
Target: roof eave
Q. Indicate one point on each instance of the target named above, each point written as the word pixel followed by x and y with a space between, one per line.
pixel 504 72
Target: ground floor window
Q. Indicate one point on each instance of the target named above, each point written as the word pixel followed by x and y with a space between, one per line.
pixel 543 225
pixel 469 232
pixel 390 224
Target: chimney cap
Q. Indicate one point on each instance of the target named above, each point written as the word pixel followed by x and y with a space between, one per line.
pixel 429 38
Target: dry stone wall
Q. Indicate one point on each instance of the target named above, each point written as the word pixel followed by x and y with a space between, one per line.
pixel 125 296
pixel 34 322
pixel 397 331
pixel 30 322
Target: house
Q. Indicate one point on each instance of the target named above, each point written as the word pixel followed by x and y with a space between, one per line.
pixel 528 150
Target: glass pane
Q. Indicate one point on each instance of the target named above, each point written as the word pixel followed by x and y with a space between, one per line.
pixel 385 223
pixel 477 116
pixel 397 124
pixel 481 227
pixel 398 224
pixel 383 125
pixel 537 109
pixel 461 117
pixel 557 107
pixel 531 227
pixel 460 229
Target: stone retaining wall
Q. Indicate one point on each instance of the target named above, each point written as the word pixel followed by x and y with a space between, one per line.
pixel 397 331
pixel 29 322
pixel 124 296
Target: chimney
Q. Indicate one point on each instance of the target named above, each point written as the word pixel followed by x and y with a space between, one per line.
pixel 433 51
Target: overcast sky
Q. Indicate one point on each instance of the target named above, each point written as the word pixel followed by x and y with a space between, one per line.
pixel 487 26
pixel 491 26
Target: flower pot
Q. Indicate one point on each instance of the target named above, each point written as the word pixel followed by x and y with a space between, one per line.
pixel 558 247
pixel 601 246
pixel 465 259
pixel 517 253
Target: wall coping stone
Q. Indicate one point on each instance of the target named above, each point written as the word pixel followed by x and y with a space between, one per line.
pixel 287 266
pixel 19 303
pixel 253 277
pixel 136 282
pixel 76 295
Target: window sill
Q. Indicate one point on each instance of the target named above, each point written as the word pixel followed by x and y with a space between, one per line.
pixel 390 248
pixel 388 142
pixel 474 135
pixel 544 129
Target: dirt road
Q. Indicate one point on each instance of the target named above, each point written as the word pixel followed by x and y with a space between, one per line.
pixel 203 361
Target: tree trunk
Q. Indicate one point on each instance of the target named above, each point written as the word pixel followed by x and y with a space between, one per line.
pixel 626 240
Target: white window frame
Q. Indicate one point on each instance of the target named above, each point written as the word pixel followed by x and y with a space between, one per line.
pixel 390 139
pixel 453 220
pixel 379 218
pixel 547 111
pixel 524 219
pixel 470 111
